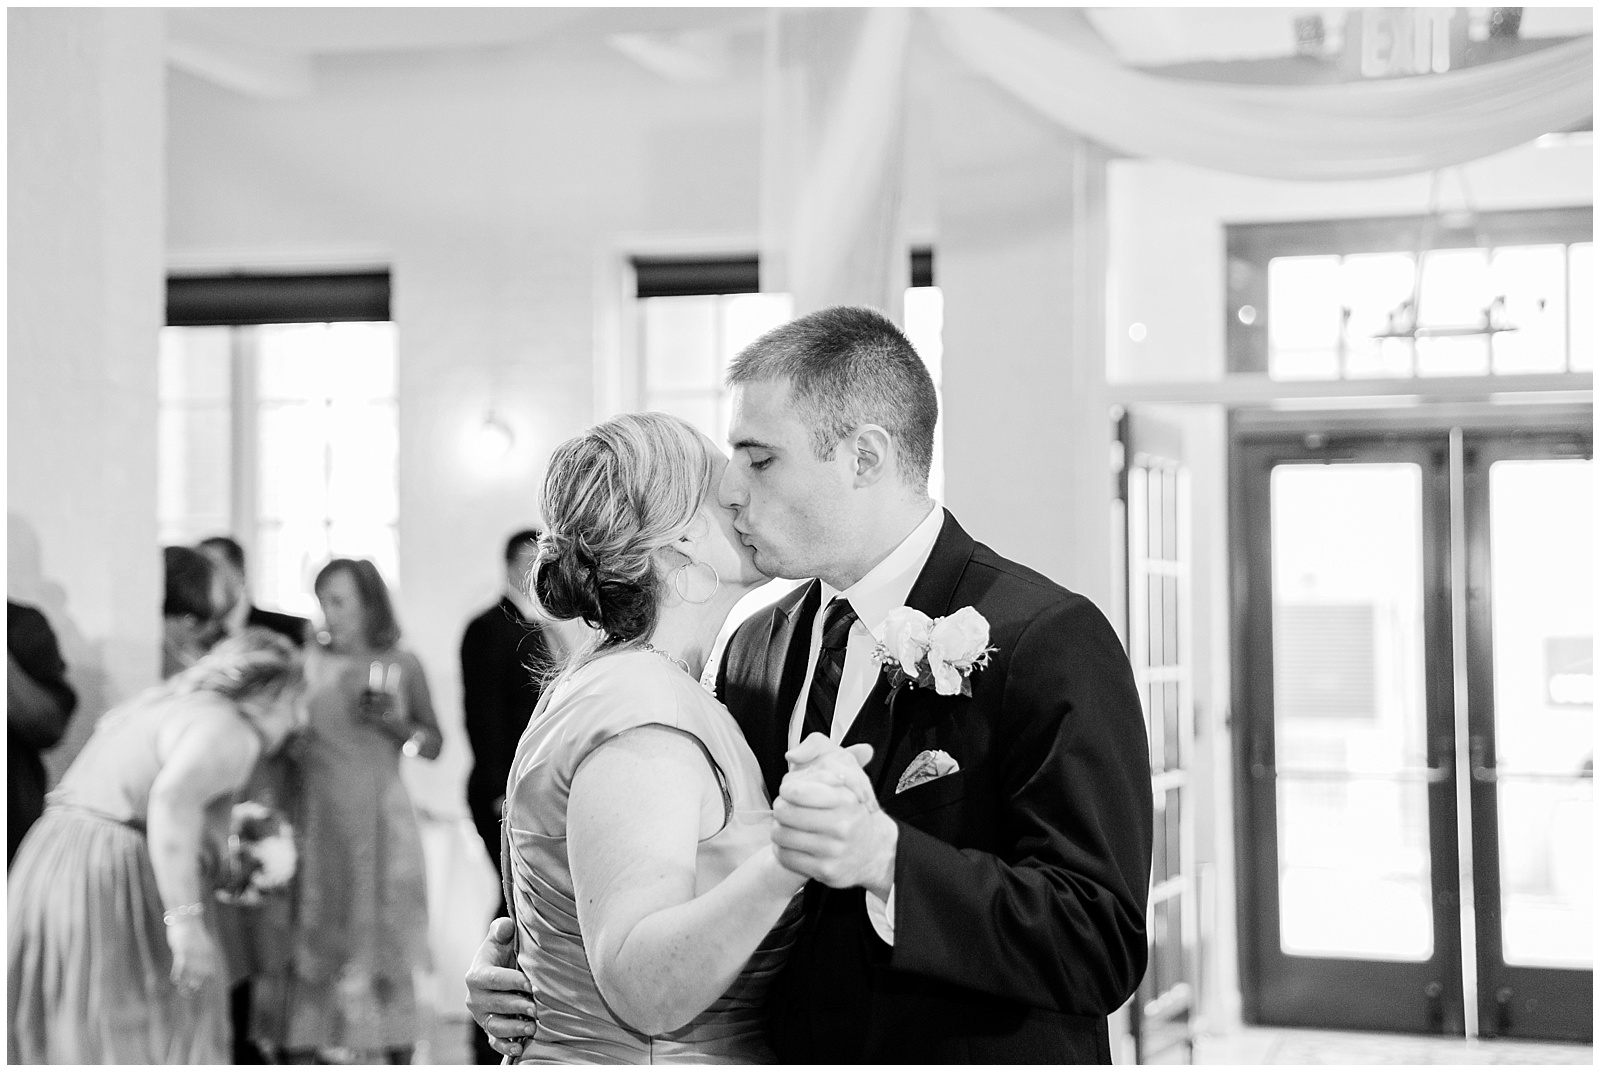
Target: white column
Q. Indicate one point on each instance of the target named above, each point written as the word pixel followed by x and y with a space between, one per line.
pixel 86 297
pixel 1022 263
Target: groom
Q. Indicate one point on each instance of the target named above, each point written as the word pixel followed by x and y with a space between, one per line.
pixel 985 902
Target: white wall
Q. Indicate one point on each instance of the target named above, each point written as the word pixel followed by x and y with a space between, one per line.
pixel 85 301
pixel 496 185
pixel 1167 264
pixel 1022 239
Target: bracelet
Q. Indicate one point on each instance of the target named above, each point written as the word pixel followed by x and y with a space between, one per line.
pixel 176 915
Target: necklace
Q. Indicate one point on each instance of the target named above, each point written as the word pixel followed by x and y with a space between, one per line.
pixel 669 657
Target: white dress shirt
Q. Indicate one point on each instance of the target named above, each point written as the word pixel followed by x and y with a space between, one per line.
pixel 885 588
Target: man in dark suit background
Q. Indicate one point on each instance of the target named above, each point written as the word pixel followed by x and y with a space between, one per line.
pixel 503 651
pixel 980 887
pixel 227 555
pixel 38 703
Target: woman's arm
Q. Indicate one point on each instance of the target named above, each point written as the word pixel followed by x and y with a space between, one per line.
pixel 411 718
pixel 424 728
pixel 661 955
pixel 206 758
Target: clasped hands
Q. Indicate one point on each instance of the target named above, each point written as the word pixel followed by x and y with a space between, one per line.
pixel 828 827
pixel 828 823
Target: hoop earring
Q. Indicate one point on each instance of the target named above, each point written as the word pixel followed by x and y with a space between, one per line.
pixel 680 582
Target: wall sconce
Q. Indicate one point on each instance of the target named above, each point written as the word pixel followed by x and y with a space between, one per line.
pixel 490 441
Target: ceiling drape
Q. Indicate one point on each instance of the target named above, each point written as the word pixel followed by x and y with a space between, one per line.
pixel 1353 130
pixel 833 133
pixel 834 126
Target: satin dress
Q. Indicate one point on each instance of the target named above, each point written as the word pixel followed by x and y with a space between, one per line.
pixel 581 711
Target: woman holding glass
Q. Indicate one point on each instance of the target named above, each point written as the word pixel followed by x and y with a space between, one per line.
pixel 111 943
pixel 360 912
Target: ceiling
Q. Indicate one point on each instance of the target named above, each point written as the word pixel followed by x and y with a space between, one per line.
pixel 269 51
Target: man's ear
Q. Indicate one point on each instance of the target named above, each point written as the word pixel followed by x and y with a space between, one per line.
pixel 872 450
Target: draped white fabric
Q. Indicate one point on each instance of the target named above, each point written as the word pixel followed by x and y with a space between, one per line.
pixel 1357 130
pixel 833 149
pixel 833 138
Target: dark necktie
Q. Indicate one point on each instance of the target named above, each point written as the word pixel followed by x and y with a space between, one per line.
pixel 836 623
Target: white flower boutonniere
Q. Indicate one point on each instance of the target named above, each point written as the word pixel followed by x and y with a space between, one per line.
pixel 936 653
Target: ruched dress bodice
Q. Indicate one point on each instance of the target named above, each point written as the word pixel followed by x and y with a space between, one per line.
pixel 580 712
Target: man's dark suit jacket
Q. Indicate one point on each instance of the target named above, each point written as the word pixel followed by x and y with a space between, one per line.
pixel 291 626
pixel 32 643
pixel 1020 880
pixel 502 654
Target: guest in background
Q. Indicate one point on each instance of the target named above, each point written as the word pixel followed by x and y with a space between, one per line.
pixel 360 919
pixel 191 608
pixel 503 655
pixel 38 703
pixel 111 956
pixel 255 937
pixel 227 555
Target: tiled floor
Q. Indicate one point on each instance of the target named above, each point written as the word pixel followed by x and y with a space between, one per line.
pixel 1279 1046
pixel 448 1044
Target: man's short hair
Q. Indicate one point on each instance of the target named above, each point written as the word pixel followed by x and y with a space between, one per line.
pixel 187 584
pixel 848 366
pixel 519 542
pixel 227 547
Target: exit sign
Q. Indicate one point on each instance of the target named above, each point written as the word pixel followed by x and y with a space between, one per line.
pixel 1391 42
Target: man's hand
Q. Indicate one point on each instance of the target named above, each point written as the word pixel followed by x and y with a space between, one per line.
pixel 829 825
pixel 498 995
pixel 819 757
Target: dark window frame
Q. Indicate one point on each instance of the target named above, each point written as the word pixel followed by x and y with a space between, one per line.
pixel 241 298
pixel 736 273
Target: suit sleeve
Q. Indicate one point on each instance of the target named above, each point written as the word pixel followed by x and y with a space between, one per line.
pixel 479 696
pixel 1055 916
pixel 32 643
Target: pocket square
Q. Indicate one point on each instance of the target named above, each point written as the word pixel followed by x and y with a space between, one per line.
pixel 925 768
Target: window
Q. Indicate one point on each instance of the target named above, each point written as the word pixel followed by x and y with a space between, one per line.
pixel 695 316
pixel 283 434
pixel 1506 293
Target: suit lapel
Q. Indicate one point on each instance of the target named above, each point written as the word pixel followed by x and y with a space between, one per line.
pixel 883 720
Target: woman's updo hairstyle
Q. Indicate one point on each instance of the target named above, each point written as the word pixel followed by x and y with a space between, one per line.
pixel 257 664
pixel 613 496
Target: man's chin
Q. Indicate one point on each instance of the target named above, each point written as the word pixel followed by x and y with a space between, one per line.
pixel 776 571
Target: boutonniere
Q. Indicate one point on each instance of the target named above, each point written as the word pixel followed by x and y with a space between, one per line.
pixel 937 653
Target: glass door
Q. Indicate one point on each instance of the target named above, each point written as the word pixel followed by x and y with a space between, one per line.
pixel 1349 834
pixel 1530 510
pixel 1417 732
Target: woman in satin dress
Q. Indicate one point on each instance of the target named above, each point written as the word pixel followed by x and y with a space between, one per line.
pixel 650 911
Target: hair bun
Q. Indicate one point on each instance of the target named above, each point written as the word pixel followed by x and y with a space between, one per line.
pixel 565 581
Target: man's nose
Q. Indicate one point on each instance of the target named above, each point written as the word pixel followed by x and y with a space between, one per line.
pixel 730 489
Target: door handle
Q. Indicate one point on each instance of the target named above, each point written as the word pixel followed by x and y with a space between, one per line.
pixel 1431 775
